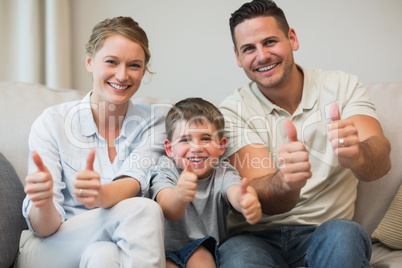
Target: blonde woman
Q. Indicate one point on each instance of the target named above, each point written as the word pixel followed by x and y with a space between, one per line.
pixel 87 173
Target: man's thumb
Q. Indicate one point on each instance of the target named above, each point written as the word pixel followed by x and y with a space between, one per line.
pixel 290 130
pixel 334 112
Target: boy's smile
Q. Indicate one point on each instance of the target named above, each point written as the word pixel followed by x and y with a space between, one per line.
pixel 196 144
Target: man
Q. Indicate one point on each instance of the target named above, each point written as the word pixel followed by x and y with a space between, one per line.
pixel 301 153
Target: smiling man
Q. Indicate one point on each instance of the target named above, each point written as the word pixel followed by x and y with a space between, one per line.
pixel 303 138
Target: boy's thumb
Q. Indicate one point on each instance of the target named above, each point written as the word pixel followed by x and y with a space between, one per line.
pixel 243 186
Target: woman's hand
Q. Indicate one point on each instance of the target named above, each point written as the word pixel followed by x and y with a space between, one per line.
pixel 39 185
pixel 87 184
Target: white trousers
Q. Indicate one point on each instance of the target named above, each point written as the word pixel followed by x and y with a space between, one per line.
pixel 130 234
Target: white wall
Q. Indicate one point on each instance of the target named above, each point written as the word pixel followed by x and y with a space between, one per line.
pixel 192 51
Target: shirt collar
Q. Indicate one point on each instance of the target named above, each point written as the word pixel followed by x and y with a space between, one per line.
pixel 87 122
pixel 309 97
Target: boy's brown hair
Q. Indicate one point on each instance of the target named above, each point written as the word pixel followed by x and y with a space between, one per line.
pixel 195 110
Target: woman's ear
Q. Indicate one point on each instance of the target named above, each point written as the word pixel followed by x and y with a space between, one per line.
pixel 88 63
pixel 168 148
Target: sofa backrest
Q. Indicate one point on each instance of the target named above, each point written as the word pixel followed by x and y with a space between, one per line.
pixel 374 198
pixel 20 104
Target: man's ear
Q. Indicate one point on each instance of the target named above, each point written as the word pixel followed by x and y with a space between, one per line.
pixel 294 42
pixel 237 56
pixel 168 148
pixel 88 63
pixel 223 144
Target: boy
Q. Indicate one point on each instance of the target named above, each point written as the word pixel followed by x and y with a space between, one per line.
pixel 195 189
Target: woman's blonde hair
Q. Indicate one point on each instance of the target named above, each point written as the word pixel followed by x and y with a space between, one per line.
pixel 124 26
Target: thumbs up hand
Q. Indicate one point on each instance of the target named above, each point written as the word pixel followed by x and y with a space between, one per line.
pixel 87 184
pixel 249 203
pixel 293 160
pixel 39 185
pixel 344 138
pixel 186 187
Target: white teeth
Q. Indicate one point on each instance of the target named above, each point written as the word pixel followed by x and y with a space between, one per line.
pixel 118 87
pixel 264 69
pixel 196 159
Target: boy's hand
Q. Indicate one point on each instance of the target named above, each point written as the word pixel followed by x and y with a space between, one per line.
pixel 186 187
pixel 250 205
pixel 39 185
pixel 87 184
pixel 344 138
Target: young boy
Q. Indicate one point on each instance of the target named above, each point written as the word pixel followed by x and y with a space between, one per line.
pixel 195 189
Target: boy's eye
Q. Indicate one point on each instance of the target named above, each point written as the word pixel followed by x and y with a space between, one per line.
pixel 206 139
pixel 184 140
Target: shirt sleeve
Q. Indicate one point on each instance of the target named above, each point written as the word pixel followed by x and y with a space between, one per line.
pixel 164 175
pixel 358 101
pixel 146 147
pixel 239 130
pixel 45 144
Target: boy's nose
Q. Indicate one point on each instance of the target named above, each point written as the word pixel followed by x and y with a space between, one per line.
pixel 196 146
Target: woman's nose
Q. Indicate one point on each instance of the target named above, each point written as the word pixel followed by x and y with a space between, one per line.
pixel 121 73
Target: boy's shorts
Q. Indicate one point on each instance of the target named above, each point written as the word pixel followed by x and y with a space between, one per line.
pixel 181 256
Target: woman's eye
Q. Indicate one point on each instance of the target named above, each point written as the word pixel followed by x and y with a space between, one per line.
pixel 110 62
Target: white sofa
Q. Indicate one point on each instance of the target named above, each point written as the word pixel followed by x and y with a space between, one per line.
pixel 21 103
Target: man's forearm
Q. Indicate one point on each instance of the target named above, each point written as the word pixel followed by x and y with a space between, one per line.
pixel 375 155
pixel 274 198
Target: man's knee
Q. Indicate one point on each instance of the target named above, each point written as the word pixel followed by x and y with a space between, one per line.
pixel 344 229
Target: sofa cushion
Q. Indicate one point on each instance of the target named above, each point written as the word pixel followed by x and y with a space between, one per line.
pixel 385 257
pixel 11 220
pixel 389 231
pixel 374 198
pixel 21 104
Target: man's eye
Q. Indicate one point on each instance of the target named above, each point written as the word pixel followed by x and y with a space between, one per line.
pixel 247 49
pixel 110 62
pixel 270 42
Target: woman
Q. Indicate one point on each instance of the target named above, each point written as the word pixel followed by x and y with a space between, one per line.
pixel 86 169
